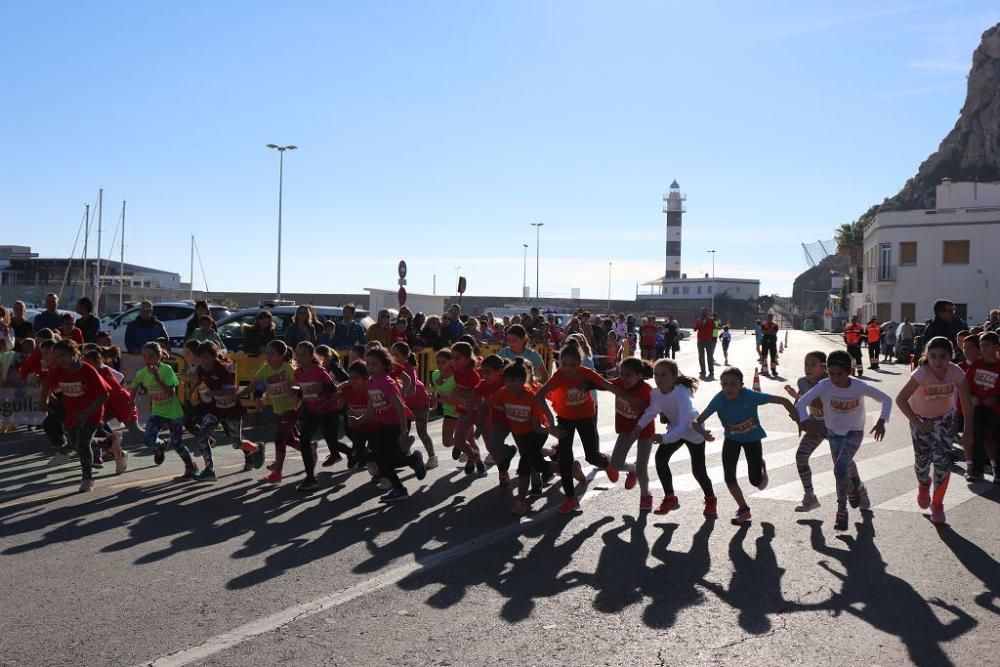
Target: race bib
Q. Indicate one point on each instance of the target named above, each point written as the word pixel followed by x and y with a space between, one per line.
pixel 224 399
pixel 160 396
pixel 71 389
pixel 310 390
pixel 816 413
pixel 845 405
pixel 939 392
pixel 985 379
pixel 576 397
pixel 278 386
pixel 744 426
pixel 624 408
pixel 517 412
pixel 377 399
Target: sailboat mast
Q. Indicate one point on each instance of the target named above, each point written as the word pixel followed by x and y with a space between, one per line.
pixel 86 237
pixel 121 264
pixel 97 271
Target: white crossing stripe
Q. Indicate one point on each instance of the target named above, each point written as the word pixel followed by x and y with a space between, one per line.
pixel 958 493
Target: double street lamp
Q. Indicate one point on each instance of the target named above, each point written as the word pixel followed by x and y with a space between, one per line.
pixel 281 172
pixel 538 231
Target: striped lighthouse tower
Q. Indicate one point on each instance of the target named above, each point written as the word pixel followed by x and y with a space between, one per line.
pixel 673 206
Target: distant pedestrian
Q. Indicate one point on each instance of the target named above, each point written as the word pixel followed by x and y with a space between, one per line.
pixel 704 327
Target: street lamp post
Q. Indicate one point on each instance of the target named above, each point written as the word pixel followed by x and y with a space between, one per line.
pixel 281 177
pixel 713 281
pixel 538 231
pixel 524 274
pixel 609 288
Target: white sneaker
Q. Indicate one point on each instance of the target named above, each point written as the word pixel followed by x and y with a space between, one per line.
pixel 808 504
pixel 432 462
pixel 57 460
pixel 121 465
pixel 86 485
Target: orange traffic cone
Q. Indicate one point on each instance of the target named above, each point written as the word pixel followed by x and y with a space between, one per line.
pixel 756 380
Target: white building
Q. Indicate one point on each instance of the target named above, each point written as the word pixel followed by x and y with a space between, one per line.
pixel 912 258
pixel 682 288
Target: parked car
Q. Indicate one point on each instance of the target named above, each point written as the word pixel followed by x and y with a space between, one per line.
pixel 231 328
pixel 173 314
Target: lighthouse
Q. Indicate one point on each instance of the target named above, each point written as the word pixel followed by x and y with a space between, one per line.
pixel 673 206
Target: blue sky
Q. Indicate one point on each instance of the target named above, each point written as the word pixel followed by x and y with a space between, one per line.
pixel 437 131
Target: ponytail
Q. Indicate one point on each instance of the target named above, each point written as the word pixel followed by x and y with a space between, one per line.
pixel 279 347
pixel 518 369
pixel 404 350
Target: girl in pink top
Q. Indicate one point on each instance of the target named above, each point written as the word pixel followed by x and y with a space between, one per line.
pixel 392 441
pixel 415 396
pixel 320 411
pixel 928 400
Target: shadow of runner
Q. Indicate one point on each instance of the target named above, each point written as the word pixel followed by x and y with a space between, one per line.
pixel 979 564
pixel 884 601
pixel 672 584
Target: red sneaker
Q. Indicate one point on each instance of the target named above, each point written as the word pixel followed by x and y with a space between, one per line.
pixel 612 473
pixel 645 503
pixel 631 479
pixel 923 496
pixel 569 505
pixel 669 504
pixel 273 478
pixel 711 507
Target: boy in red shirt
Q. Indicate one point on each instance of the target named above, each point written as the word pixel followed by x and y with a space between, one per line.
pixel 647 338
pixel 984 382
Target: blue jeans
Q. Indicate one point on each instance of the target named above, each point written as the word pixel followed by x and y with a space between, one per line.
pixel 843 448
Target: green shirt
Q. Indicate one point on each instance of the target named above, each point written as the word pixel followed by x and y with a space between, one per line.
pixel 164 403
pixel 209 336
pixel 443 389
pixel 279 382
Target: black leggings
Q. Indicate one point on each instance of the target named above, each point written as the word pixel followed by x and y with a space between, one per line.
pixel 385 442
pixel 984 422
pixel 667 449
pixel 530 447
pixel 769 347
pixel 731 456
pixel 327 425
pixel 587 428
pixel 360 440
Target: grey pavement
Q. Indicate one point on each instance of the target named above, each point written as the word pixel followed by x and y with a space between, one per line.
pixel 146 570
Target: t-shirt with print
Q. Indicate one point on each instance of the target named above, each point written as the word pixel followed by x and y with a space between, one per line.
pixel 648 333
pixel 626 416
pixel 315 383
pixel 381 389
pixel 221 385
pixel 278 383
pixel 357 406
pixel 466 381
pixel 816 409
pixel 739 416
pixel 519 412
pixel 570 396
pixel 984 381
pixel 79 388
pixel 444 389
pixel 164 404
pixel 935 396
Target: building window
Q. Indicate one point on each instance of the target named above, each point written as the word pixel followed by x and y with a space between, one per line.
pixel 699 289
pixel 709 288
pixel 677 290
pixel 956 252
pixel 737 289
pixel 883 311
pixel 686 289
pixel 908 311
pixel 907 253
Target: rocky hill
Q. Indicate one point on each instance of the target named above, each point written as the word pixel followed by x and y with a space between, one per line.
pixel 971 151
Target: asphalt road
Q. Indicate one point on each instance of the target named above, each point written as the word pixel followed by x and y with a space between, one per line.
pixel 146 570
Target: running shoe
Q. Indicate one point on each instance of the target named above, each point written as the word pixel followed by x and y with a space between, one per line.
pixel 520 508
pixel 808 504
pixel 121 465
pixel 307 485
pixel 971 476
pixel 937 513
pixel 274 477
pixel 206 475
pixel 668 505
pixel 923 496
pixel 480 469
pixel 742 517
pixel 417 463
pixel 86 485
pixel 335 457
pixel 854 499
pixel 257 458
pixel 763 476
pixel 248 463
pixel 470 467
pixel 455 453
pixel 611 472
pixel 394 496
pixel 631 479
pixel 189 473
pixel 840 523
pixel 432 462
pixel 504 478
pixel 158 455
pixel 645 503
pixel 711 507
pixel 569 505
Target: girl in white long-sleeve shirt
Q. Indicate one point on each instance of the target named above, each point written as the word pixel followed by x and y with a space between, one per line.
pixel 672 398
pixel 843 401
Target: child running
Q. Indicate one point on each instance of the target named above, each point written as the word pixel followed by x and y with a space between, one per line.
pixel 120 406
pixel 391 442
pixel 361 427
pixel 84 394
pixel 417 399
pixel 491 422
pixel 672 398
pixel 570 388
pixel 225 408
pixel 815 370
pixel 844 416
pixel 526 422
pixel 737 408
pixel 984 381
pixel 467 378
pixel 443 388
pixel 160 382
pixel 632 375
pixel 320 411
pixel 278 377
pixel 928 401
